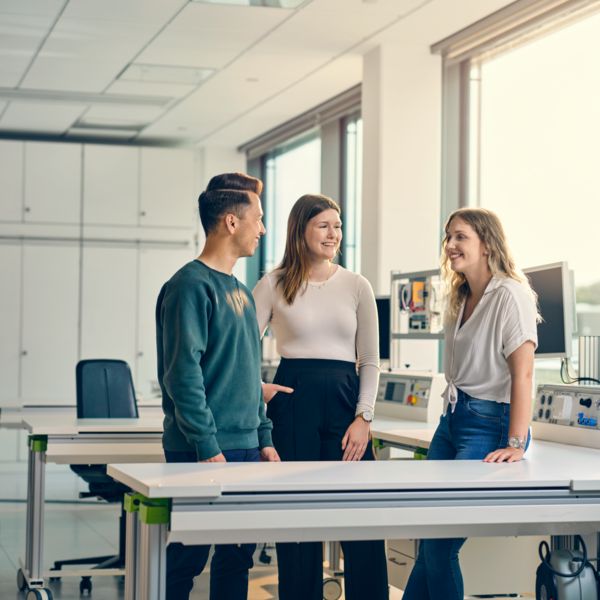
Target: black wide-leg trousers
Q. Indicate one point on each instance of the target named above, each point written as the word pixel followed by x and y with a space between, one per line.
pixel 309 424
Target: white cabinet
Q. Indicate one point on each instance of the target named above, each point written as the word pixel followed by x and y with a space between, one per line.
pixel 167 194
pixel 11 181
pixel 50 322
pixel 156 267
pixel 10 320
pixel 110 185
pixel 108 303
pixel 116 217
pixel 52 183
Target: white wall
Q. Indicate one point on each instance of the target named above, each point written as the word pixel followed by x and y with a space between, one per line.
pixel 402 131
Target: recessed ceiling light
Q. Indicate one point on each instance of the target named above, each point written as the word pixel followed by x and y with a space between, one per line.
pixel 144 73
pixel 264 3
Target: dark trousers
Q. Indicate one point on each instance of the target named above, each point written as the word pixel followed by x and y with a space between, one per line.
pixel 309 424
pixel 230 562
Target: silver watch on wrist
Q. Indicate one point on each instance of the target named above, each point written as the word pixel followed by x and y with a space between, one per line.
pixel 516 442
pixel 366 415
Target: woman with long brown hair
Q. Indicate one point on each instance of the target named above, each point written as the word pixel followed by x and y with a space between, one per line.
pixel 490 338
pixel 324 318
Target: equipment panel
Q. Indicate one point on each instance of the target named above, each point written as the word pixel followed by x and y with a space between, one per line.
pixel 573 406
pixel 569 414
pixel 410 395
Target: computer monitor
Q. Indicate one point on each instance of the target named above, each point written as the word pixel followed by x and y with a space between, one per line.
pixel 554 288
pixel 383 312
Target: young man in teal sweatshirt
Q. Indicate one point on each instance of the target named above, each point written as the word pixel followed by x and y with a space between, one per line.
pixel 208 348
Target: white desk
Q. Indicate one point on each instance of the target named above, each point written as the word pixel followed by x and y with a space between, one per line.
pixel 284 502
pixel 59 437
pixel 401 433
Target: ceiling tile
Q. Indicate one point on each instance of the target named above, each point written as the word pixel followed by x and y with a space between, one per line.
pixel 20 36
pixel 130 11
pixel 120 115
pixel 210 36
pixel 45 118
pixel 85 55
pixel 48 8
pixel 146 88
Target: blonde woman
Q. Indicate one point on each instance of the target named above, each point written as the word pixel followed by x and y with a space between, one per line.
pixel 325 323
pixel 491 336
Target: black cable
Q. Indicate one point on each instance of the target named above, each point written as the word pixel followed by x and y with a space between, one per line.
pixel 544 553
pixel 564 368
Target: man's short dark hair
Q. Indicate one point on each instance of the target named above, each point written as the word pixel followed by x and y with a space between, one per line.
pixel 226 193
pixel 235 181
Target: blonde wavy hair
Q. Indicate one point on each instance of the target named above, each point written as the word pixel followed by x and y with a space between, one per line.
pixel 488 228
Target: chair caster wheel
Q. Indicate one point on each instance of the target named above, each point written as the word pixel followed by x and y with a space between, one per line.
pixel 21 581
pixel 332 589
pixel 39 594
pixel 85 585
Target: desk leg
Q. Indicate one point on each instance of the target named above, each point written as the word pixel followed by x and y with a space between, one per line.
pixel 131 504
pixel 34 541
pixel 152 549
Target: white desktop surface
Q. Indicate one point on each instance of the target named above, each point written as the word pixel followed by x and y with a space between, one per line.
pixel 98 441
pixel 69 424
pixel 547 465
pixel 403 432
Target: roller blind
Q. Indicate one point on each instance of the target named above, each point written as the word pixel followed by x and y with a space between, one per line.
pixel 510 26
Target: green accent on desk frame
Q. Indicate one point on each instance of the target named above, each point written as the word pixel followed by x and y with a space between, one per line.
pixel 420 454
pixel 38 443
pixel 155 511
pixel 132 501
pixel 377 444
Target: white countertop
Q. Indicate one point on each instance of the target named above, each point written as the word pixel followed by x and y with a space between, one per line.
pixel 402 432
pixel 67 424
pixel 547 466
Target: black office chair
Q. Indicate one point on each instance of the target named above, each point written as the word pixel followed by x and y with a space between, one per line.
pixel 104 390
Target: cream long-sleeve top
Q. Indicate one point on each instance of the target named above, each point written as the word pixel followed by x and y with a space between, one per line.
pixel 334 320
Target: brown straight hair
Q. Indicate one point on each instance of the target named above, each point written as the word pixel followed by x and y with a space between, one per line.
pixel 293 271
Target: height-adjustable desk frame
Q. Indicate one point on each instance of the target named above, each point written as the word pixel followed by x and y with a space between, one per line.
pixel 286 502
pixel 64 439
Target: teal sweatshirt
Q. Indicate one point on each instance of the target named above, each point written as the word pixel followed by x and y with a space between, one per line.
pixel 208 349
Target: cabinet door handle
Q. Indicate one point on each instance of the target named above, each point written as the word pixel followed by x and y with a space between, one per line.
pixel 396 561
pixel 142 213
pixel 23 352
pixel 27 209
pixel 140 353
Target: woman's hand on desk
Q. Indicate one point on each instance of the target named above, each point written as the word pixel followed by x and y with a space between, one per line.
pixel 355 440
pixel 270 389
pixel 505 455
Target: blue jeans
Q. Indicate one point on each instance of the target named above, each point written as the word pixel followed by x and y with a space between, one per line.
pixel 230 562
pixel 471 432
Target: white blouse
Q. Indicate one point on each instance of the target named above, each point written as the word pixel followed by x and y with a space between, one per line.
pixel 475 354
pixel 334 320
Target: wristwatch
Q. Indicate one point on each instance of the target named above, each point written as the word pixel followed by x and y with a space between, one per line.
pixel 367 415
pixel 515 442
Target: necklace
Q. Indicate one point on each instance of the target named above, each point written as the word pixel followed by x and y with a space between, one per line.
pixel 319 284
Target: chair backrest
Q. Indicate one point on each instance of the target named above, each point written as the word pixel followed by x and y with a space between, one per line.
pixel 105 390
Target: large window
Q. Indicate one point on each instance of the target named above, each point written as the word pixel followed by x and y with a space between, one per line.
pixel 352 192
pixel 290 171
pixel 533 130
